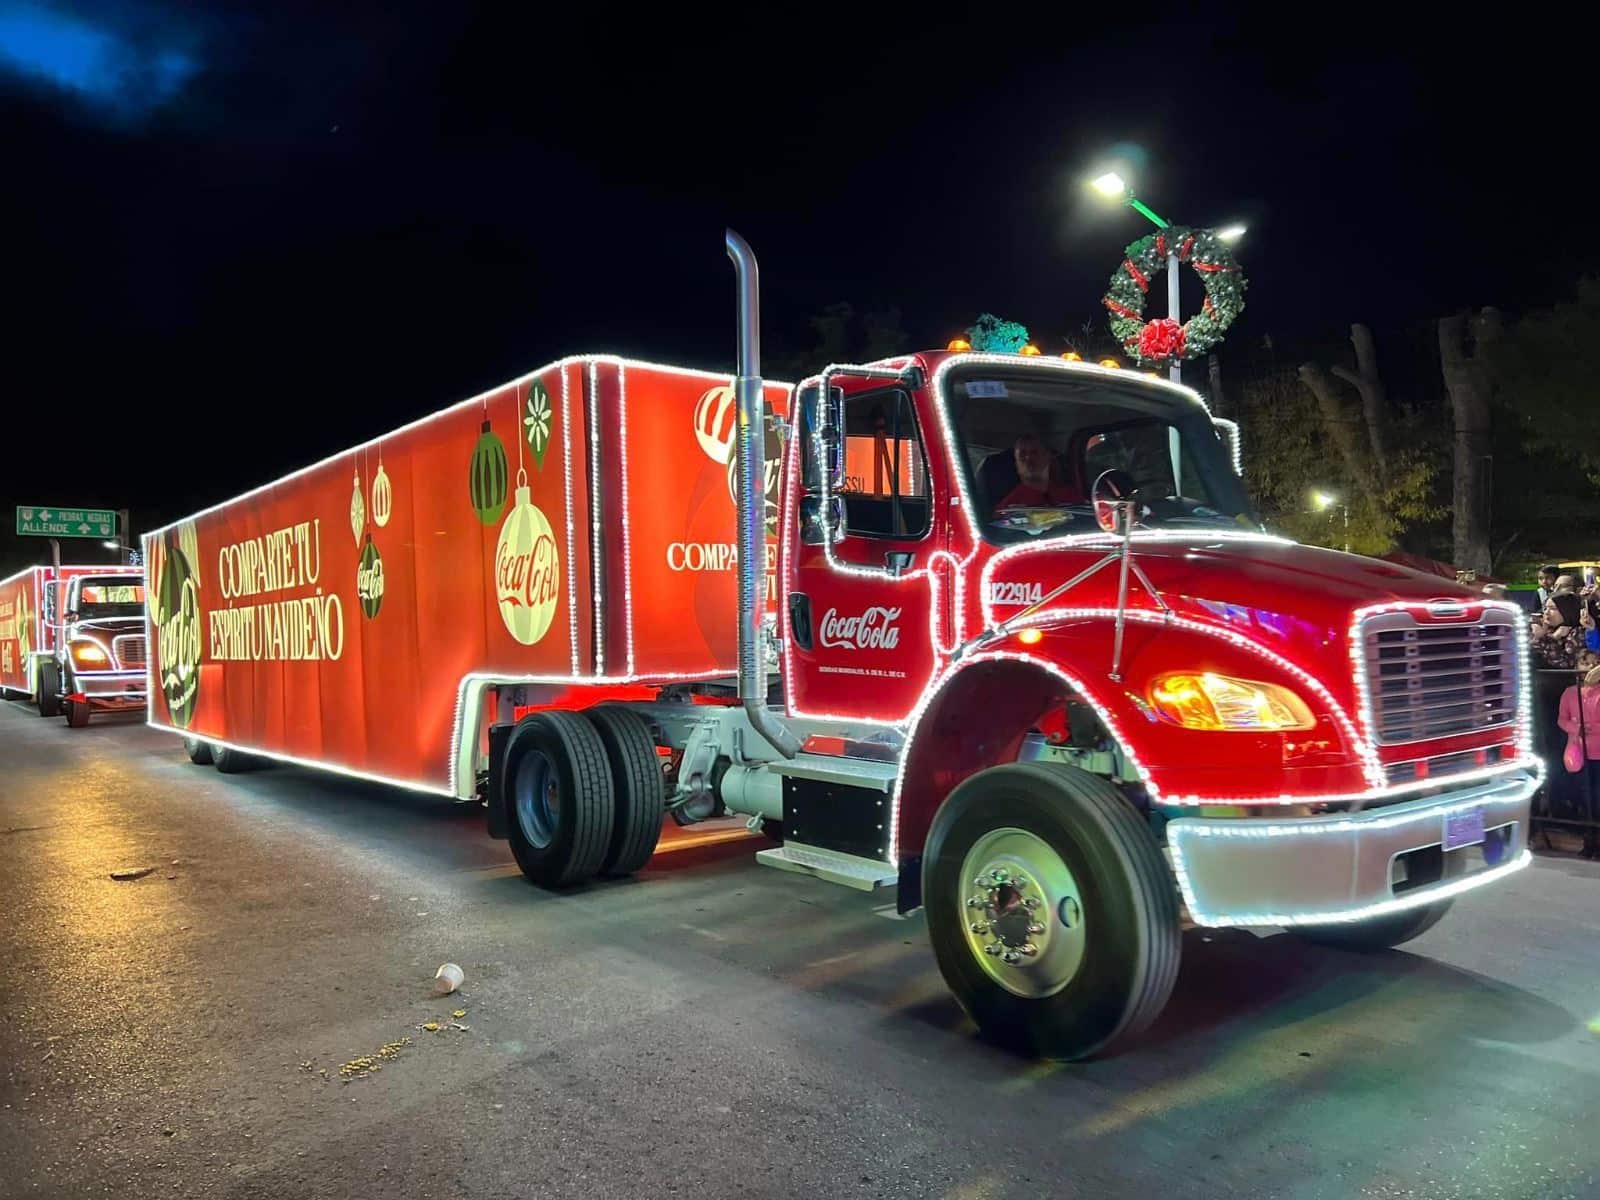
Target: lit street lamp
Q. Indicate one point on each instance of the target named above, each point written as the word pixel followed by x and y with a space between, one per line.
pixel 1114 187
pixel 1322 501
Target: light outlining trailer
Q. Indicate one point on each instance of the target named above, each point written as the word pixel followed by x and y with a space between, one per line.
pixel 1000 631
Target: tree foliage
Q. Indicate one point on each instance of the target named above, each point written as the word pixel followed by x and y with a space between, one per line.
pixel 1291 451
pixel 841 334
pixel 1544 379
pixel 997 335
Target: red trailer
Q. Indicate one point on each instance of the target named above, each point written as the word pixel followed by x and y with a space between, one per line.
pixel 1033 661
pixel 72 640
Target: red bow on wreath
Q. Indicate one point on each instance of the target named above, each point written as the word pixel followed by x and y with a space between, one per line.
pixel 1161 338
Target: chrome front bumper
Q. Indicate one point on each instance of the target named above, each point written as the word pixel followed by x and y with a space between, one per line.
pixel 111 689
pixel 1322 870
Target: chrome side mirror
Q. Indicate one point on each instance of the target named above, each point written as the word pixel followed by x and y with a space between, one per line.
pixel 818 524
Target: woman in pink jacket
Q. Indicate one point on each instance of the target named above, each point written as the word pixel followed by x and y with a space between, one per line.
pixel 1579 719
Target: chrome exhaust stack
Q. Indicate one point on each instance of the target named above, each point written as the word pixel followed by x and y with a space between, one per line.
pixel 747 391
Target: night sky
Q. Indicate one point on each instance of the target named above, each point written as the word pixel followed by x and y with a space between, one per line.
pixel 244 237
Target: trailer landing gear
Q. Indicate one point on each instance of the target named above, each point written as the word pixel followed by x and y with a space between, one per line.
pixel 1051 911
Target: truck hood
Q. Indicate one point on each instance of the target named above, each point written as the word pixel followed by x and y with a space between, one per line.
pixel 109 626
pixel 1291 598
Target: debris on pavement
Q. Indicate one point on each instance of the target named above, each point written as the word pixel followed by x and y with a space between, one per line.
pixel 460 1012
pixel 124 873
pixel 359 1068
pixel 447 978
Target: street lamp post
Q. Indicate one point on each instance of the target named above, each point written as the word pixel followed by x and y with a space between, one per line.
pixel 1114 186
pixel 1322 501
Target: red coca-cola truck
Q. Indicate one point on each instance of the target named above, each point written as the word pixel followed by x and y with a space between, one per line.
pixel 1000 632
pixel 72 640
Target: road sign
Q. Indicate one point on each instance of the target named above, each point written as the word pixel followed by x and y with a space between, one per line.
pixel 46 520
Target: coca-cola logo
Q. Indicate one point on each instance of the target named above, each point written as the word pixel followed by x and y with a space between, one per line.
pixel 875 629
pixel 528 578
pixel 178 635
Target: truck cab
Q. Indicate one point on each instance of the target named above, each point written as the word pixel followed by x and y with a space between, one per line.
pixel 1044 584
pixel 97 663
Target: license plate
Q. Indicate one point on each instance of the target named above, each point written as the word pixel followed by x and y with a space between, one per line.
pixel 1463 829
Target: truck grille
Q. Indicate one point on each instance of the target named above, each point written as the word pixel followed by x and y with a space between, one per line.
pixel 1432 681
pixel 129 649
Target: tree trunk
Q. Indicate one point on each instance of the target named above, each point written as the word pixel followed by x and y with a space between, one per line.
pixel 1342 427
pixel 1468 384
pixel 1219 402
pixel 1366 380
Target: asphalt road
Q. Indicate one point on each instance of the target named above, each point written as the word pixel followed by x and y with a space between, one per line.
pixel 712 1028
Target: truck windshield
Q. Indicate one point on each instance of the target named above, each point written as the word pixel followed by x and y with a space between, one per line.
pixel 99 598
pixel 1034 444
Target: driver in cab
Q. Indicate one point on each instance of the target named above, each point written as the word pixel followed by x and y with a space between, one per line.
pixel 1039 478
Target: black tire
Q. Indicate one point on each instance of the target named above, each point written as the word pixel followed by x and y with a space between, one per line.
pixel 559 798
pixel 78 713
pixel 230 761
pixel 199 751
pixel 1128 917
pixel 639 790
pixel 48 681
pixel 1379 934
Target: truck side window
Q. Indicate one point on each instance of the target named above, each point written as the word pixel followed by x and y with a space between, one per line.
pixel 886 476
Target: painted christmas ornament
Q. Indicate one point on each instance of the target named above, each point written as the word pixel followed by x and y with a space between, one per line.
pixel 527 570
pixel 382 497
pixel 358 510
pixel 538 421
pixel 488 476
pixel 369 579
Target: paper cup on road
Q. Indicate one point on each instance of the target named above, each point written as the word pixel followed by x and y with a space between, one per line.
pixel 447 979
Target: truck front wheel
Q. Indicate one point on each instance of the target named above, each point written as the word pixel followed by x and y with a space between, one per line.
pixel 1050 908
pixel 49 683
pixel 78 712
pixel 1379 934
pixel 560 798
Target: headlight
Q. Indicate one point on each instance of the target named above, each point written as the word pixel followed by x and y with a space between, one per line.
pixel 89 654
pixel 1201 700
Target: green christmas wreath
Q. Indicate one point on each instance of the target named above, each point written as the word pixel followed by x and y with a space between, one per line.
pixel 1163 338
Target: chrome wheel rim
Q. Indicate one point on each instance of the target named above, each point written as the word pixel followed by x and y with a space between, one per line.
pixel 538 799
pixel 1022 913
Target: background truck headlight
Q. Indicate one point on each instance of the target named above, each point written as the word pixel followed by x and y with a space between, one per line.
pixel 89 654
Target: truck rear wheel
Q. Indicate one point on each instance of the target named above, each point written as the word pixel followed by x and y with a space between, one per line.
pixel 49 681
pixel 1051 911
pixel 639 790
pixel 1379 934
pixel 230 761
pixel 78 713
pixel 199 751
pixel 560 798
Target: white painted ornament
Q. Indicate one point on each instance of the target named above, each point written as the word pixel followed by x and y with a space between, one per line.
pixel 527 569
pixel 358 510
pixel 382 497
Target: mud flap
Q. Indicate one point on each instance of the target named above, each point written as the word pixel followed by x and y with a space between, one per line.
pixel 499 811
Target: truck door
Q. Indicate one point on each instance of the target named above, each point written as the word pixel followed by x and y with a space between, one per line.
pixel 860 605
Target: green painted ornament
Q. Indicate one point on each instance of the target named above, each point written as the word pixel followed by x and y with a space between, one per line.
pixel 538 422
pixel 369 579
pixel 488 476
